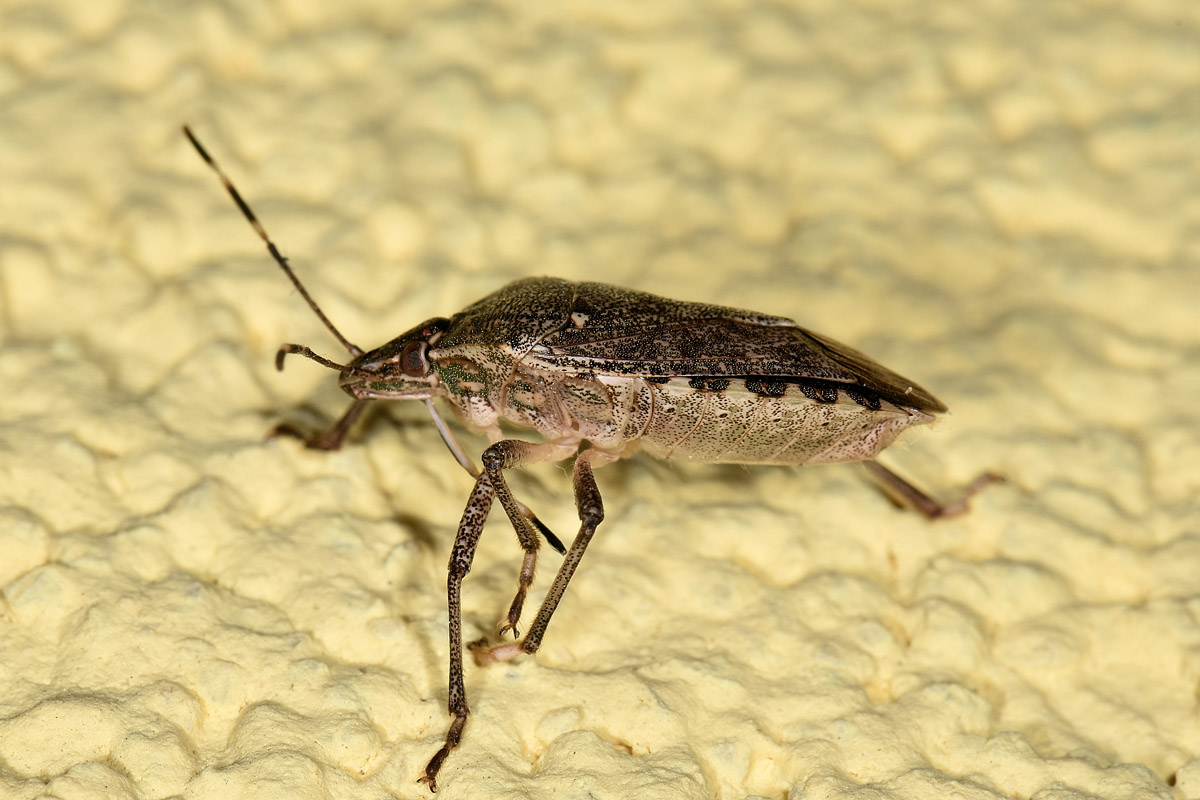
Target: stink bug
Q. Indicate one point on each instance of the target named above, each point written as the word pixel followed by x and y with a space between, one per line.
pixel 611 370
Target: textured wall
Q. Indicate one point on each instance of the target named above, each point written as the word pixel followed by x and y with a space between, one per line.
pixel 997 198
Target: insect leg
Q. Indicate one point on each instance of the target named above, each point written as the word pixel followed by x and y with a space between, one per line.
pixel 469 529
pixel 906 495
pixel 507 454
pixel 448 437
pixel 461 457
pixel 329 440
pixel 591 514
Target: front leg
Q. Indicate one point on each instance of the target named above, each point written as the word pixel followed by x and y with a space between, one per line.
pixel 500 456
pixel 469 529
pixel 329 440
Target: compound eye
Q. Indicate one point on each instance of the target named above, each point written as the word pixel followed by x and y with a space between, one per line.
pixel 412 360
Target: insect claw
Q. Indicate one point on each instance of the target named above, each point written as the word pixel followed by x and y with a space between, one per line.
pixel 962 504
pixel 514 613
pixel 453 737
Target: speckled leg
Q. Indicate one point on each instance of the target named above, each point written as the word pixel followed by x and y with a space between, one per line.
pixel 461 457
pixel 507 454
pixel 461 556
pixel 906 495
pixel 489 484
pixel 591 514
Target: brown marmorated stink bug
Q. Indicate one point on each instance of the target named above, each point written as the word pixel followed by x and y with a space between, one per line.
pixel 614 371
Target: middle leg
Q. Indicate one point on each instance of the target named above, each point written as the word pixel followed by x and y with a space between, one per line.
pixel 591 514
pixel 508 454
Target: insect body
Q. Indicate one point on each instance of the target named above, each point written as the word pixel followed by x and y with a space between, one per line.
pixel 599 371
pixel 613 367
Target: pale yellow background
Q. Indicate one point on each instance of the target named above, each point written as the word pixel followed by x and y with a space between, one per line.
pixel 996 198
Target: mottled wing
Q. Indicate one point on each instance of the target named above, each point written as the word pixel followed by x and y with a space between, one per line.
pixel 620 332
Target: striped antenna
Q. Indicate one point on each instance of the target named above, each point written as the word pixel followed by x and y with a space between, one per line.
pixel 271 248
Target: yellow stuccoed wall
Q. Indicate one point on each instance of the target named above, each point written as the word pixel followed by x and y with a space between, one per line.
pixel 996 198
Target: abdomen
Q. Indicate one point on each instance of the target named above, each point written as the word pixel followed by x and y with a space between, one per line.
pixel 736 421
pixel 765 421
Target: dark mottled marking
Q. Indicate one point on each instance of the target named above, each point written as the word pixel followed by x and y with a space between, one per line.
pixel 864 399
pixel 581 306
pixel 708 384
pixel 466 364
pixel 656 379
pixel 766 387
pixel 822 393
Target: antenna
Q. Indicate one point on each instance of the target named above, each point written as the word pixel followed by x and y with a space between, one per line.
pixel 273 250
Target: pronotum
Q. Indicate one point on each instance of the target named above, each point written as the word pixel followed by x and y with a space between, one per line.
pixel 599 372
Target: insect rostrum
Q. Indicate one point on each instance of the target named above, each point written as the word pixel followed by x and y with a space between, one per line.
pixel 601 372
